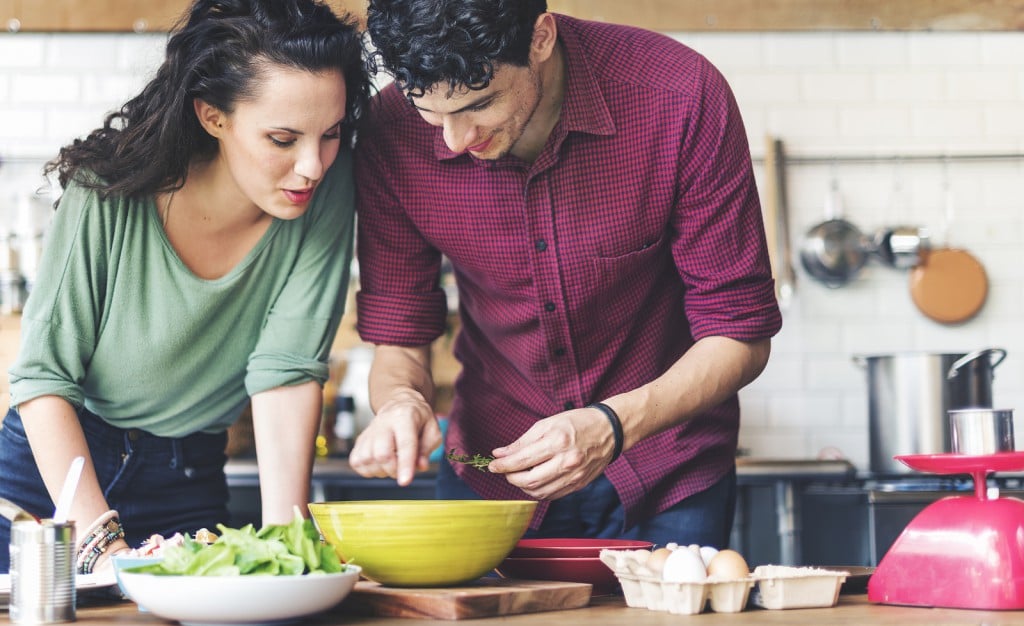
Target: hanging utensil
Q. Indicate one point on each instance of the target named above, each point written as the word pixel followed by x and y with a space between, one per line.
pixel 67 492
pixel 950 285
pixel 834 251
pixel 777 222
pixel 900 247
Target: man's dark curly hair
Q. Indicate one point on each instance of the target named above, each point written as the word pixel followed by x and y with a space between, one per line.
pixel 217 53
pixel 425 42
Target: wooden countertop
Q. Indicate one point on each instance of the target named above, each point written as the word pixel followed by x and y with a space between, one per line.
pixel 611 611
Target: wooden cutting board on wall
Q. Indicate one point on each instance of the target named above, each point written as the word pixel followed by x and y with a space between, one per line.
pixel 487 597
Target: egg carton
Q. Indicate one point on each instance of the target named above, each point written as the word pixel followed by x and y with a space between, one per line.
pixel 646 591
pixel 783 587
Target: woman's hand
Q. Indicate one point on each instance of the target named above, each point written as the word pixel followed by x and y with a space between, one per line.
pixel 558 455
pixel 105 561
pixel 101 540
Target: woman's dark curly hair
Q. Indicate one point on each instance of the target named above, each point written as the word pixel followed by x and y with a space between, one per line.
pixel 425 42
pixel 216 53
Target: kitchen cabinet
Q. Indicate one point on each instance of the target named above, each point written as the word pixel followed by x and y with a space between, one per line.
pixel 663 15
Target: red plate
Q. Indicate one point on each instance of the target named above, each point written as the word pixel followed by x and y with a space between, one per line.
pixel 573 548
pixel 576 570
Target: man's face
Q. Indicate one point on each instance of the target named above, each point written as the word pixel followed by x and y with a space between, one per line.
pixel 487 123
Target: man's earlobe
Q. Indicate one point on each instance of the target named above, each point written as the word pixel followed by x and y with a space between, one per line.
pixel 545 34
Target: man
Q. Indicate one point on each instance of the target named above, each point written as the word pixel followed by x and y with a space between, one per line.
pixel 591 186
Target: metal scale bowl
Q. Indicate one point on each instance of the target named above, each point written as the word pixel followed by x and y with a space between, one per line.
pixel 963 551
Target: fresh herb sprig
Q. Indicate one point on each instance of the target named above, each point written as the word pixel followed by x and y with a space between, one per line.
pixel 479 461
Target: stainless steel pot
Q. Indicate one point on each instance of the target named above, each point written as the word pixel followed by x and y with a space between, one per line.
pixel 910 394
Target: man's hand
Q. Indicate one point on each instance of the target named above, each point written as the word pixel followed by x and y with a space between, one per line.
pixel 558 455
pixel 398 441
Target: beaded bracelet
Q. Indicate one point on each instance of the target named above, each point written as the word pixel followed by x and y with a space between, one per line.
pixel 104 531
pixel 613 419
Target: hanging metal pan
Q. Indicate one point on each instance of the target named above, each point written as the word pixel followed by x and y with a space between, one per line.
pixel 949 286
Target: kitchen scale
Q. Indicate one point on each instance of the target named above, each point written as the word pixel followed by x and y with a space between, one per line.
pixel 963 551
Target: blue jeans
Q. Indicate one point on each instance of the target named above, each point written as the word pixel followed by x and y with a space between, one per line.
pixel 157 484
pixel 704 518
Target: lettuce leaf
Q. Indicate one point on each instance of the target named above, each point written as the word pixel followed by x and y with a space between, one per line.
pixel 275 550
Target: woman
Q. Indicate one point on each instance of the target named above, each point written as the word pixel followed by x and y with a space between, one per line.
pixel 198 258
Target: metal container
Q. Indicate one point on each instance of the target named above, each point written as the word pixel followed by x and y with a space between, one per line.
pixel 981 431
pixel 901 247
pixel 42 572
pixel 910 394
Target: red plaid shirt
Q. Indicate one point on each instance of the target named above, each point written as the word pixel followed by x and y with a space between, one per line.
pixel 586 273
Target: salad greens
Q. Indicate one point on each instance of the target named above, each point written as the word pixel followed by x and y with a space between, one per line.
pixel 275 550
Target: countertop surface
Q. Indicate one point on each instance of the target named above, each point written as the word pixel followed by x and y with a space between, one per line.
pixel 612 611
pixel 746 467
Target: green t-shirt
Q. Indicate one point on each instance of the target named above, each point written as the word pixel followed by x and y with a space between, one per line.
pixel 117 323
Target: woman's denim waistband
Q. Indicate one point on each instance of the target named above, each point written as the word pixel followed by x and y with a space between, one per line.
pixel 140 441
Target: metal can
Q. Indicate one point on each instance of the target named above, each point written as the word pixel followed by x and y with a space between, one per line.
pixel 981 431
pixel 42 572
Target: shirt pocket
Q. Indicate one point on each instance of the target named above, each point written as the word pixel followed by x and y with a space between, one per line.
pixel 611 267
pixel 628 283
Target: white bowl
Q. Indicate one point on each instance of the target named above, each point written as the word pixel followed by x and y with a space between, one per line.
pixel 254 599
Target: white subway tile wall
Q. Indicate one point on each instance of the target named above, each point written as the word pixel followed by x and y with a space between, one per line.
pixel 876 94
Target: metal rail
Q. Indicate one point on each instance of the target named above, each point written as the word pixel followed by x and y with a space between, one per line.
pixel 867 159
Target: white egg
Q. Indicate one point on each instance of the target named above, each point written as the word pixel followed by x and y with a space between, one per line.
pixel 684 566
pixel 707 553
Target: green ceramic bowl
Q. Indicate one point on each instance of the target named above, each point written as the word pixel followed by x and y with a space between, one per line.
pixel 423 543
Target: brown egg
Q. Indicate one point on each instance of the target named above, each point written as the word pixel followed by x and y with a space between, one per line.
pixel 656 562
pixel 728 565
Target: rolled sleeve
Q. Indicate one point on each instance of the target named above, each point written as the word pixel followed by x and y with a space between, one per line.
pixel 400 301
pixel 401 320
pixel 296 339
pixel 720 250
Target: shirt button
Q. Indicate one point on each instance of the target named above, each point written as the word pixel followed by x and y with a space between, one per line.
pixel 568 406
pixel 549 306
pixel 559 351
pixel 541 245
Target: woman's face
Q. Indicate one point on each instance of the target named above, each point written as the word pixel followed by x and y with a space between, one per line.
pixel 277 145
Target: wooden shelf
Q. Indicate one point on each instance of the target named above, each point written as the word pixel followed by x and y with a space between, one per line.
pixel 662 15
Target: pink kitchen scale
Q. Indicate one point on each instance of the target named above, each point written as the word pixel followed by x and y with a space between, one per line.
pixel 964 552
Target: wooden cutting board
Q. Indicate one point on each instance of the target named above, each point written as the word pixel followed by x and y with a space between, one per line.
pixel 487 597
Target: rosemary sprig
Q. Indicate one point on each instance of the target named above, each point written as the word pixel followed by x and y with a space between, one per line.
pixel 478 461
